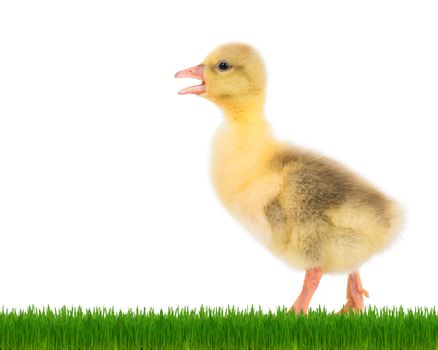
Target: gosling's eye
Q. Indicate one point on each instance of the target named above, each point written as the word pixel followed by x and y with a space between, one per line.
pixel 223 66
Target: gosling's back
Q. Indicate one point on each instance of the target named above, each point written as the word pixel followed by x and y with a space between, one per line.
pixel 326 216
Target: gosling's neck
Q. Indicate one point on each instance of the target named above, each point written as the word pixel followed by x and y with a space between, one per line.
pixel 245 130
pixel 246 114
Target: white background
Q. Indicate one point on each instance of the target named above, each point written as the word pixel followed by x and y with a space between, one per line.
pixel 105 194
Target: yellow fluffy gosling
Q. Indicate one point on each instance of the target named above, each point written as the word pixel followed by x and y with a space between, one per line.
pixel 308 210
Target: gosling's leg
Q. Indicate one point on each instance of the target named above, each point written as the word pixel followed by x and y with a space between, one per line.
pixel 311 282
pixel 355 293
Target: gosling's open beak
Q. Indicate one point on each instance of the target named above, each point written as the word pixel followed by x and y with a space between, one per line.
pixel 196 72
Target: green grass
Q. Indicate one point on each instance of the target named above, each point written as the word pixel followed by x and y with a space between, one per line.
pixel 217 329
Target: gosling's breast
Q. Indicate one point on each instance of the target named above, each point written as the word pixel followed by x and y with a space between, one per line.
pixel 248 206
pixel 243 177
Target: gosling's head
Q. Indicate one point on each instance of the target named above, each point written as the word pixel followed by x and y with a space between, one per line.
pixel 232 76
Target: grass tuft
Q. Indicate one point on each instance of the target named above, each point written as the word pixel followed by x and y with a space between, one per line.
pixel 216 328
